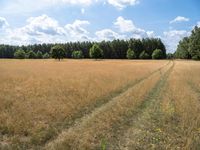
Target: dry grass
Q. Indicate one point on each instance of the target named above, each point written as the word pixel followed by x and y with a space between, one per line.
pixel 38 95
pixel 87 104
pixel 100 124
pixel 181 105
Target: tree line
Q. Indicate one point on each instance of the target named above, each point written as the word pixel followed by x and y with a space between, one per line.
pixel 189 47
pixel 147 48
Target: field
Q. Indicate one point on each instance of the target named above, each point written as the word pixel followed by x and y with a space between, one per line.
pixel 107 104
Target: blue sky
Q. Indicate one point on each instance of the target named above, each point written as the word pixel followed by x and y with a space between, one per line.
pixel 49 21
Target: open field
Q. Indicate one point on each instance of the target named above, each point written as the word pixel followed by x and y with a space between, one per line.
pixel 111 104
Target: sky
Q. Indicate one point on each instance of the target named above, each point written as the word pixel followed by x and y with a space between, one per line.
pixel 24 22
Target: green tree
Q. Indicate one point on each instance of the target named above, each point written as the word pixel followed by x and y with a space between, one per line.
pixel 130 54
pixel 157 54
pixel 77 54
pixel 31 55
pixel 194 46
pixel 58 52
pixel 46 56
pixel 96 52
pixel 39 55
pixel 182 51
pixel 19 54
pixel 144 55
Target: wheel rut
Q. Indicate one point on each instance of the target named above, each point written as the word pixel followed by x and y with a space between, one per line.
pixel 83 120
pixel 125 133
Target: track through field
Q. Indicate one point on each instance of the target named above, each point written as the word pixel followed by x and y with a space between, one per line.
pixel 82 131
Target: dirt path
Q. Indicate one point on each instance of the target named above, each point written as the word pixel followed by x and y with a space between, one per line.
pixel 134 129
pixel 89 121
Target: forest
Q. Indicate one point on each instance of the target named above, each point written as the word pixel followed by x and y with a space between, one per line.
pixel 116 49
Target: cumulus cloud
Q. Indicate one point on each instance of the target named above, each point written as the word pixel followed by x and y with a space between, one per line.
pixel 179 19
pixel 127 26
pixel 107 34
pixel 171 38
pixel 37 30
pixel 120 4
pixel 3 23
pixel 77 31
pixel 42 25
pixel 124 25
pixel 44 29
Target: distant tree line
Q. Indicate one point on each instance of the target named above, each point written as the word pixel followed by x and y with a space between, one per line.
pixel 149 48
pixel 189 47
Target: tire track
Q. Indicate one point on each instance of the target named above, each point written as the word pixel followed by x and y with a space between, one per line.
pixel 86 118
pixel 139 119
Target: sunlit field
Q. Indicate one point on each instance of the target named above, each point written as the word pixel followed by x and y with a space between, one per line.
pixel 99 104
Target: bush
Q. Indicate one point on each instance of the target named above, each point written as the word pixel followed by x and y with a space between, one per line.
pixel 96 52
pixel 31 55
pixel 20 54
pixel 157 54
pixel 196 57
pixel 46 56
pixel 144 55
pixel 39 55
pixel 130 54
pixel 77 54
pixel 58 52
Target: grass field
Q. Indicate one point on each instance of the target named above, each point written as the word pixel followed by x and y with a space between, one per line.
pixel 109 104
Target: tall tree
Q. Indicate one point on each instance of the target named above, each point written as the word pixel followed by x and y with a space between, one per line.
pixel 194 46
pixel 182 51
pixel 96 52
pixel 57 52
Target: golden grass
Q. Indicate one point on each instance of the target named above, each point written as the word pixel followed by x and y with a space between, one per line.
pixel 37 94
pixel 92 129
pixel 181 105
pixel 40 98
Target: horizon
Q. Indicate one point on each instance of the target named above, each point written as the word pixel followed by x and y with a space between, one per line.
pixel 61 21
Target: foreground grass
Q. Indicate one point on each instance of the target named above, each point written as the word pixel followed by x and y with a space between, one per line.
pixel 99 104
pixel 39 98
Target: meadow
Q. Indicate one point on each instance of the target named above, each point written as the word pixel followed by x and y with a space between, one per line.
pixel 99 104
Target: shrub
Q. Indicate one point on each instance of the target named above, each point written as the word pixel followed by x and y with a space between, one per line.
pixel 77 54
pixel 58 52
pixel 157 54
pixel 144 55
pixel 130 54
pixel 39 55
pixel 46 56
pixel 96 52
pixel 20 54
pixel 31 55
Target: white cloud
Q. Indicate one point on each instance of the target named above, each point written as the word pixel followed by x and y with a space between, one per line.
pixel 107 34
pixel 171 38
pixel 124 25
pixel 151 34
pixel 127 26
pixel 120 4
pixel 3 23
pixel 42 25
pixel 179 19
pixel 77 31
